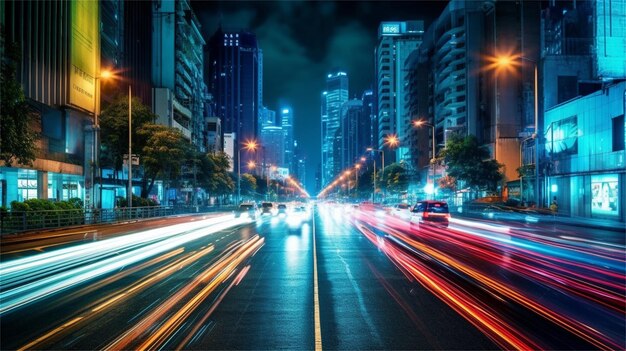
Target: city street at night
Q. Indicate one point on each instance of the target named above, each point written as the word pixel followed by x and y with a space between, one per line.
pixel 337 277
pixel 311 175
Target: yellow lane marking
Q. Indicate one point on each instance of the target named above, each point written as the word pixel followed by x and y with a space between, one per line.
pixel 316 296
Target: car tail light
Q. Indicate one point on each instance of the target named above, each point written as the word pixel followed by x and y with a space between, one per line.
pixel 425 215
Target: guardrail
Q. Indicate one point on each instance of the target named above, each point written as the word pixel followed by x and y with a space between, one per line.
pixel 20 221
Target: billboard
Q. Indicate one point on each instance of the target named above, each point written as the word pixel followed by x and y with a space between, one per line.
pixel 562 136
pixel 84 52
pixel 604 195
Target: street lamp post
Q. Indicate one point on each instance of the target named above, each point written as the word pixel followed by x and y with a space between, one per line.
pixel 96 141
pixel 250 146
pixel 130 153
pixel 418 124
pixel 383 168
pixel 521 162
pixel 507 61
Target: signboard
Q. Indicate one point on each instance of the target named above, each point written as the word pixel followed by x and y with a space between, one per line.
pixel 390 28
pixel 84 47
pixel 605 195
pixel 135 160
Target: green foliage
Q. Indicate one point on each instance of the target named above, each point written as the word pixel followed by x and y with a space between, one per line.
pixel 17 140
pixel 163 155
pixel 32 205
pixel 114 130
pixel 213 174
pixel 470 162
pixel 137 202
pixel 248 184
pixel 395 178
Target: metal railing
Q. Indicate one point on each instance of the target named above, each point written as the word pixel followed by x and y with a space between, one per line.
pixel 20 221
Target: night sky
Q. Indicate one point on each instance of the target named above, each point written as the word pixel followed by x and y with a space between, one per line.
pixel 302 41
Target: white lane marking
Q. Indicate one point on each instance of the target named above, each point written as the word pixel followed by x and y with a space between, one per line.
pixel 316 297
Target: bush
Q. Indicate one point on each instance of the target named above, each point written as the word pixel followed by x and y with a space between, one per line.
pixel 19 206
pixel 137 202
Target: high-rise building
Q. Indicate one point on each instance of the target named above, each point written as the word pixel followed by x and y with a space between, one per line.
pixel 136 61
pixel 273 142
pixel 333 98
pixel 232 74
pixel 286 121
pixel 465 92
pixel 355 133
pixel 177 69
pixel 369 111
pixel 59 82
pixel 396 41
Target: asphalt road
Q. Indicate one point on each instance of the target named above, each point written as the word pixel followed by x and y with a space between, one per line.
pixel 335 280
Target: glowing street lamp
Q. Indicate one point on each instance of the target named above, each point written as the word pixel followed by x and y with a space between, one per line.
pixel 250 145
pixel 421 123
pixel 509 62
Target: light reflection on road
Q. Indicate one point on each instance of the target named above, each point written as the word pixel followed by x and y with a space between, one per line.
pixel 579 288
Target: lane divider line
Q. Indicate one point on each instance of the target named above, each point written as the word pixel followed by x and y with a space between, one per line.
pixel 316 296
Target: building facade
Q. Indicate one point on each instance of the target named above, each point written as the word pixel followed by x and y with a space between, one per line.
pixel 333 98
pixel 396 41
pixel 232 74
pixel 177 70
pixel 286 122
pixel 59 81
pixel 585 157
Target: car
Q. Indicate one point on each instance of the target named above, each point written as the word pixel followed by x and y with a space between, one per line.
pixel 401 210
pixel 430 212
pixel 267 208
pixel 247 209
pixel 282 209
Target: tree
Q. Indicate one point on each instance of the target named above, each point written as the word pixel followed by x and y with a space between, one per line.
pixel 396 178
pixel 114 130
pixel 17 140
pixel 470 162
pixel 248 184
pixel 165 151
pixel 213 174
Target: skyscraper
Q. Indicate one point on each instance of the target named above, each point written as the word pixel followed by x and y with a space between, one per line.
pixel 333 98
pixel 354 132
pixel 233 69
pixel 286 121
pixel 396 41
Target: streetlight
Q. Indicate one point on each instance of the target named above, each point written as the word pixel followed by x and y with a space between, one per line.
pixel 250 145
pixel 509 61
pixel 383 164
pixel 129 193
pixel 521 162
pixel 96 140
pixel 418 124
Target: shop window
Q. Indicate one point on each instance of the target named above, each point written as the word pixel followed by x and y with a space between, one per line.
pixel 605 195
pixel 26 189
pixel 619 133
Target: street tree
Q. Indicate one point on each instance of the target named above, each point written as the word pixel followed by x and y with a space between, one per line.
pixel 214 176
pixel 471 163
pixel 114 130
pixel 17 139
pixel 162 156
pixel 248 184
pixel 396 178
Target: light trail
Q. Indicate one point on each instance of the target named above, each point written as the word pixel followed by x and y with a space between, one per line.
pixel 595 277
pixel 39 289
